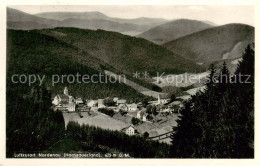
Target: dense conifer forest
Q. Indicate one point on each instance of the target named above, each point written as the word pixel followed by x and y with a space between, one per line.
pixel 219 122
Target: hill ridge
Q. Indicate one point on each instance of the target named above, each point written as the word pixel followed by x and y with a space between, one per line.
pixel 210 44
pixel 125 53
pixel 172 30
pixel 89 20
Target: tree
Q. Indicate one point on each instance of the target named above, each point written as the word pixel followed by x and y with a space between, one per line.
pixel 224 77
pixel 172 98
pixel 149 117
pixel 149 109
pixel 219 123
pixel 32 128
pixel 244 91
pixel 146 135
pixel 182 144
pixel 122 112
pixel 109 102
pixel 154 110
pixel 145 102
pixel 106 111
pixel 156 88
pixel 211 80
pixel 135 121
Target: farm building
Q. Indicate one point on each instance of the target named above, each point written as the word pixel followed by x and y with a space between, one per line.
pixel 130 130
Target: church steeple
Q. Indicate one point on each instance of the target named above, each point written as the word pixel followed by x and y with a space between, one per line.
pixel 159 99
pixel 66 91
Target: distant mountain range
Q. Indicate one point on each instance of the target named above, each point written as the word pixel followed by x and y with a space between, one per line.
pixel 173 30
pixel 185 44
pixel 85 20
pixel 97 15
pixel 23 21
pixel 214 44
pixel 76 15
pixel 107 25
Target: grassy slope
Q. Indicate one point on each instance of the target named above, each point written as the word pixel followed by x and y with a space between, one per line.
pixel 124 53
pixel 209 45
pixel 173 30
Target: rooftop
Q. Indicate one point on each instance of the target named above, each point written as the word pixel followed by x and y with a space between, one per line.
pixel 63 97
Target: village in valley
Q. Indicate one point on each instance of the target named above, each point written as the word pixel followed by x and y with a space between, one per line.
pixel 151 119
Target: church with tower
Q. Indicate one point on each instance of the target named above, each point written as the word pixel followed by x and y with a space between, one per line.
pixel 64 102
pixel 163 99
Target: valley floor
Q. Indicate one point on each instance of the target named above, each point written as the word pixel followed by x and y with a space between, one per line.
pixel 160 129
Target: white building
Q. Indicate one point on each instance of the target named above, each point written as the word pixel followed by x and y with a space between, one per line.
pixel 64 102
pixel 92 103
pixel 130 130
pixel 142 115
pixel 115 99
pixel 79 101
pixel 132 107
pixel 153 102
pixel 122 107
pixel 122 101
pixel 101 103
pixel 144 118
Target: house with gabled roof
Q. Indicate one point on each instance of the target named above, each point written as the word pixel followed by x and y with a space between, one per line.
pixel 132 107
pixel 130 130
pixel 101 103
pixel 79 101
pixel 92 103
pixel 121 101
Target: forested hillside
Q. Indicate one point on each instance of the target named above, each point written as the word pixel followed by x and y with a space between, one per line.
pixel 172 30
pixel 124 53
pixel 214 44
pixel 29 52
pixel 31 124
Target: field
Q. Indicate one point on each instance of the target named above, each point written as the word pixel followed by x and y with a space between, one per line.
pixel 179 80
pixel 193 91
pixel 139 88
pixel 95 119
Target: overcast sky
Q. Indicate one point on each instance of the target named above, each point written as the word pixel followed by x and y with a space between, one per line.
pixel 217 14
